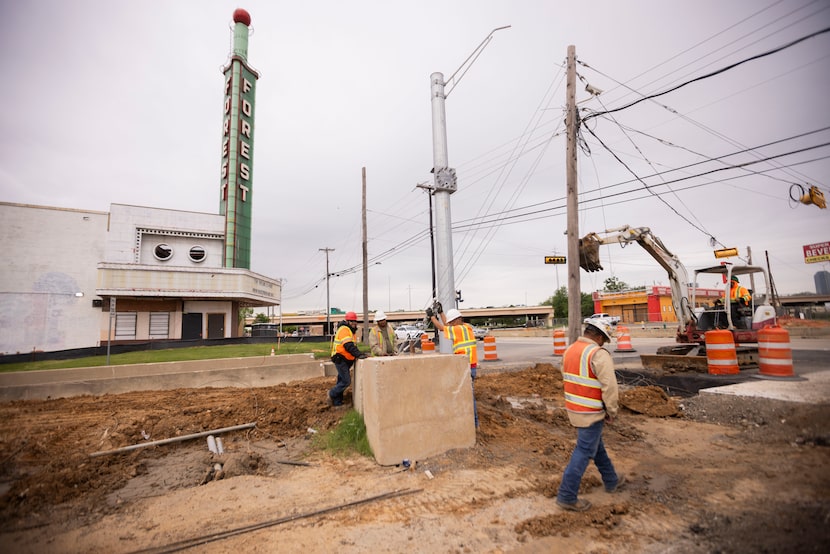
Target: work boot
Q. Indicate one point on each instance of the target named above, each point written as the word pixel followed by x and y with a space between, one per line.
pixel 620 484
pixel 579 506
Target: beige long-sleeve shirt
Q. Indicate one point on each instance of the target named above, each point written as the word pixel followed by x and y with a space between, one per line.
pixel 382 341
pixel 603 367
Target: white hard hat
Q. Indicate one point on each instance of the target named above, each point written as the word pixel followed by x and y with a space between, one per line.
pixel 380 316
pixel 601 326
pixel 453 314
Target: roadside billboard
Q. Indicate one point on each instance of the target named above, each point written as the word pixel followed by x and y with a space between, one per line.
pixel 819 252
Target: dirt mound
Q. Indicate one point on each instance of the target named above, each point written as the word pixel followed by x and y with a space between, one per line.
pixel 651 401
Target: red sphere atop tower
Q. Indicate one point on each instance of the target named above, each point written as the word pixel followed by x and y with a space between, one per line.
pixel 242 16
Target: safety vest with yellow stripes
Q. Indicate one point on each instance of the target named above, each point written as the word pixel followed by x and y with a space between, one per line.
pixel 583 391
pixel 390 336
pixel 338 346
pixel 463 341
pixel 738 292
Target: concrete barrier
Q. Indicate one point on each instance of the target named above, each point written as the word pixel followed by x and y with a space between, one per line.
pixel 415 407
pixel 259 371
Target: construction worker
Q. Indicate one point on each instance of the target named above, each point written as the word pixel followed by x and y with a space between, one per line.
pixel 344 352
pixel 591 399
pixel 738 294
pixel 740 300
pixel 462 337
pixel 382 336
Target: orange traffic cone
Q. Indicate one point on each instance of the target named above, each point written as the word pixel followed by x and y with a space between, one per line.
pixel 623 340
pixel 721 357
pixel 490 354
pixel 559 342
pixel 775 357
pixel 272 351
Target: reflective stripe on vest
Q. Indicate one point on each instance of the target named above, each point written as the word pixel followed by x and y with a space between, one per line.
pixel 583 391
pixel 389 337
pixel 739 292
pixel 344 334
pixel 463 341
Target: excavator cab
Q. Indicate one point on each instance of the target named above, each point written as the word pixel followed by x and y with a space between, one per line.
pixel 744 320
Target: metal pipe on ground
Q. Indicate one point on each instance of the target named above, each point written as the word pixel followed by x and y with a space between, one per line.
pixel 174 439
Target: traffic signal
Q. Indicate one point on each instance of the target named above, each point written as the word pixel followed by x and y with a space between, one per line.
pixel 726 252
pixel 555 260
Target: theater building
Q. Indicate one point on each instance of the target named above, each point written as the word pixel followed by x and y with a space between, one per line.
pixel 79 278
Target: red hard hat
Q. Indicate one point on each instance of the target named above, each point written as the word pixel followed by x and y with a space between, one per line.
pixel 351 316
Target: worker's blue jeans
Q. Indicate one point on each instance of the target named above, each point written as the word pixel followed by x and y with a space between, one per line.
pixel 589 447
pixel 344 379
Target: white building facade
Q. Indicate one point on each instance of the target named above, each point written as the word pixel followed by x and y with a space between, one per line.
pixel 75 278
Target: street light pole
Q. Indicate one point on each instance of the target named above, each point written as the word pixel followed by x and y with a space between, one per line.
pixel 445 181
pixel 328 308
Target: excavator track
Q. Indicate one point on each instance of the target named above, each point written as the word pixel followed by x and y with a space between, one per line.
pixel 692 357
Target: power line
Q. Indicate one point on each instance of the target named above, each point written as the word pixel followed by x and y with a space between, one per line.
pixel 708 75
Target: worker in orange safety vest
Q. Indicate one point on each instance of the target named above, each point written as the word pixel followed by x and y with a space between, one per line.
pixel 591 400
pixel 738 293
pixel 462 337
pixel 344 352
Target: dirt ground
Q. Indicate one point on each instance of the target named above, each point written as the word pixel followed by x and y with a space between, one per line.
pixel 704 475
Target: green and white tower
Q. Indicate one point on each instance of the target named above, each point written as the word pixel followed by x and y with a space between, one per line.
pixel 236 191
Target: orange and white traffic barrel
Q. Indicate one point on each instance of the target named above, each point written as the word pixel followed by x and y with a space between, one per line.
pixel 623 340
pixel 775 357
pixel 490 354
pixel 427 346
pixel 559 342
pixel 721 356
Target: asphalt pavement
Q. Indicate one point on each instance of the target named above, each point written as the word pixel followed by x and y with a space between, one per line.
pixel 810 383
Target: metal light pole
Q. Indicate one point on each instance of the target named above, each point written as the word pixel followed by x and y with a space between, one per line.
pixel 445 182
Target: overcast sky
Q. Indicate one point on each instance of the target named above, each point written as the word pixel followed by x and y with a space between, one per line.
pixel 120 102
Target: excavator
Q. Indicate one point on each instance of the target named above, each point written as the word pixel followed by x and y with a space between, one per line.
pixel 743 321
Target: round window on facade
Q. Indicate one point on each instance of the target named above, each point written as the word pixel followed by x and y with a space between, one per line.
pixel 163 252
pixel 197 254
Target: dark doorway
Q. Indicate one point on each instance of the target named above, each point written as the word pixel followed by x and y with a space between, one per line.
pixel 216 326
pixel 191 326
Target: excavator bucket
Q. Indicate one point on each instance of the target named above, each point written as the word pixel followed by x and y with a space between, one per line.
pixel 589 253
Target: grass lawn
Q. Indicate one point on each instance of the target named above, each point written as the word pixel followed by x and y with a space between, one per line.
pixel 320 350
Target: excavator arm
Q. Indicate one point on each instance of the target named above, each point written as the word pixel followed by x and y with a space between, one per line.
pixel 678 276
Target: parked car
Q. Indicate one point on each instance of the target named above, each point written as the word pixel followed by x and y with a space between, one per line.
pixel 479 332
pixel 609 319
pixel 408 332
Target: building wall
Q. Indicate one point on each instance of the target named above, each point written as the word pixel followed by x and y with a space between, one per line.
pixel 143 308
pixel 136 230
pixel 50 279
pixel 653 304
pixel 206 308
pixel 50 254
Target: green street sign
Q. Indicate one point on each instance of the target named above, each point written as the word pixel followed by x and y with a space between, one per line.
pixel 555 260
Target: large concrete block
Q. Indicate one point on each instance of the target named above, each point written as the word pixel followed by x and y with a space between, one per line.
pixel 415 406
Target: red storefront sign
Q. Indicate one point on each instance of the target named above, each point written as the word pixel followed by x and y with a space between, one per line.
pixel 819 252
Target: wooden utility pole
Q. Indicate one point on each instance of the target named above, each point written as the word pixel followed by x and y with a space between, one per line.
pixel 572 126
pixel 328 297
pixel 365 335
